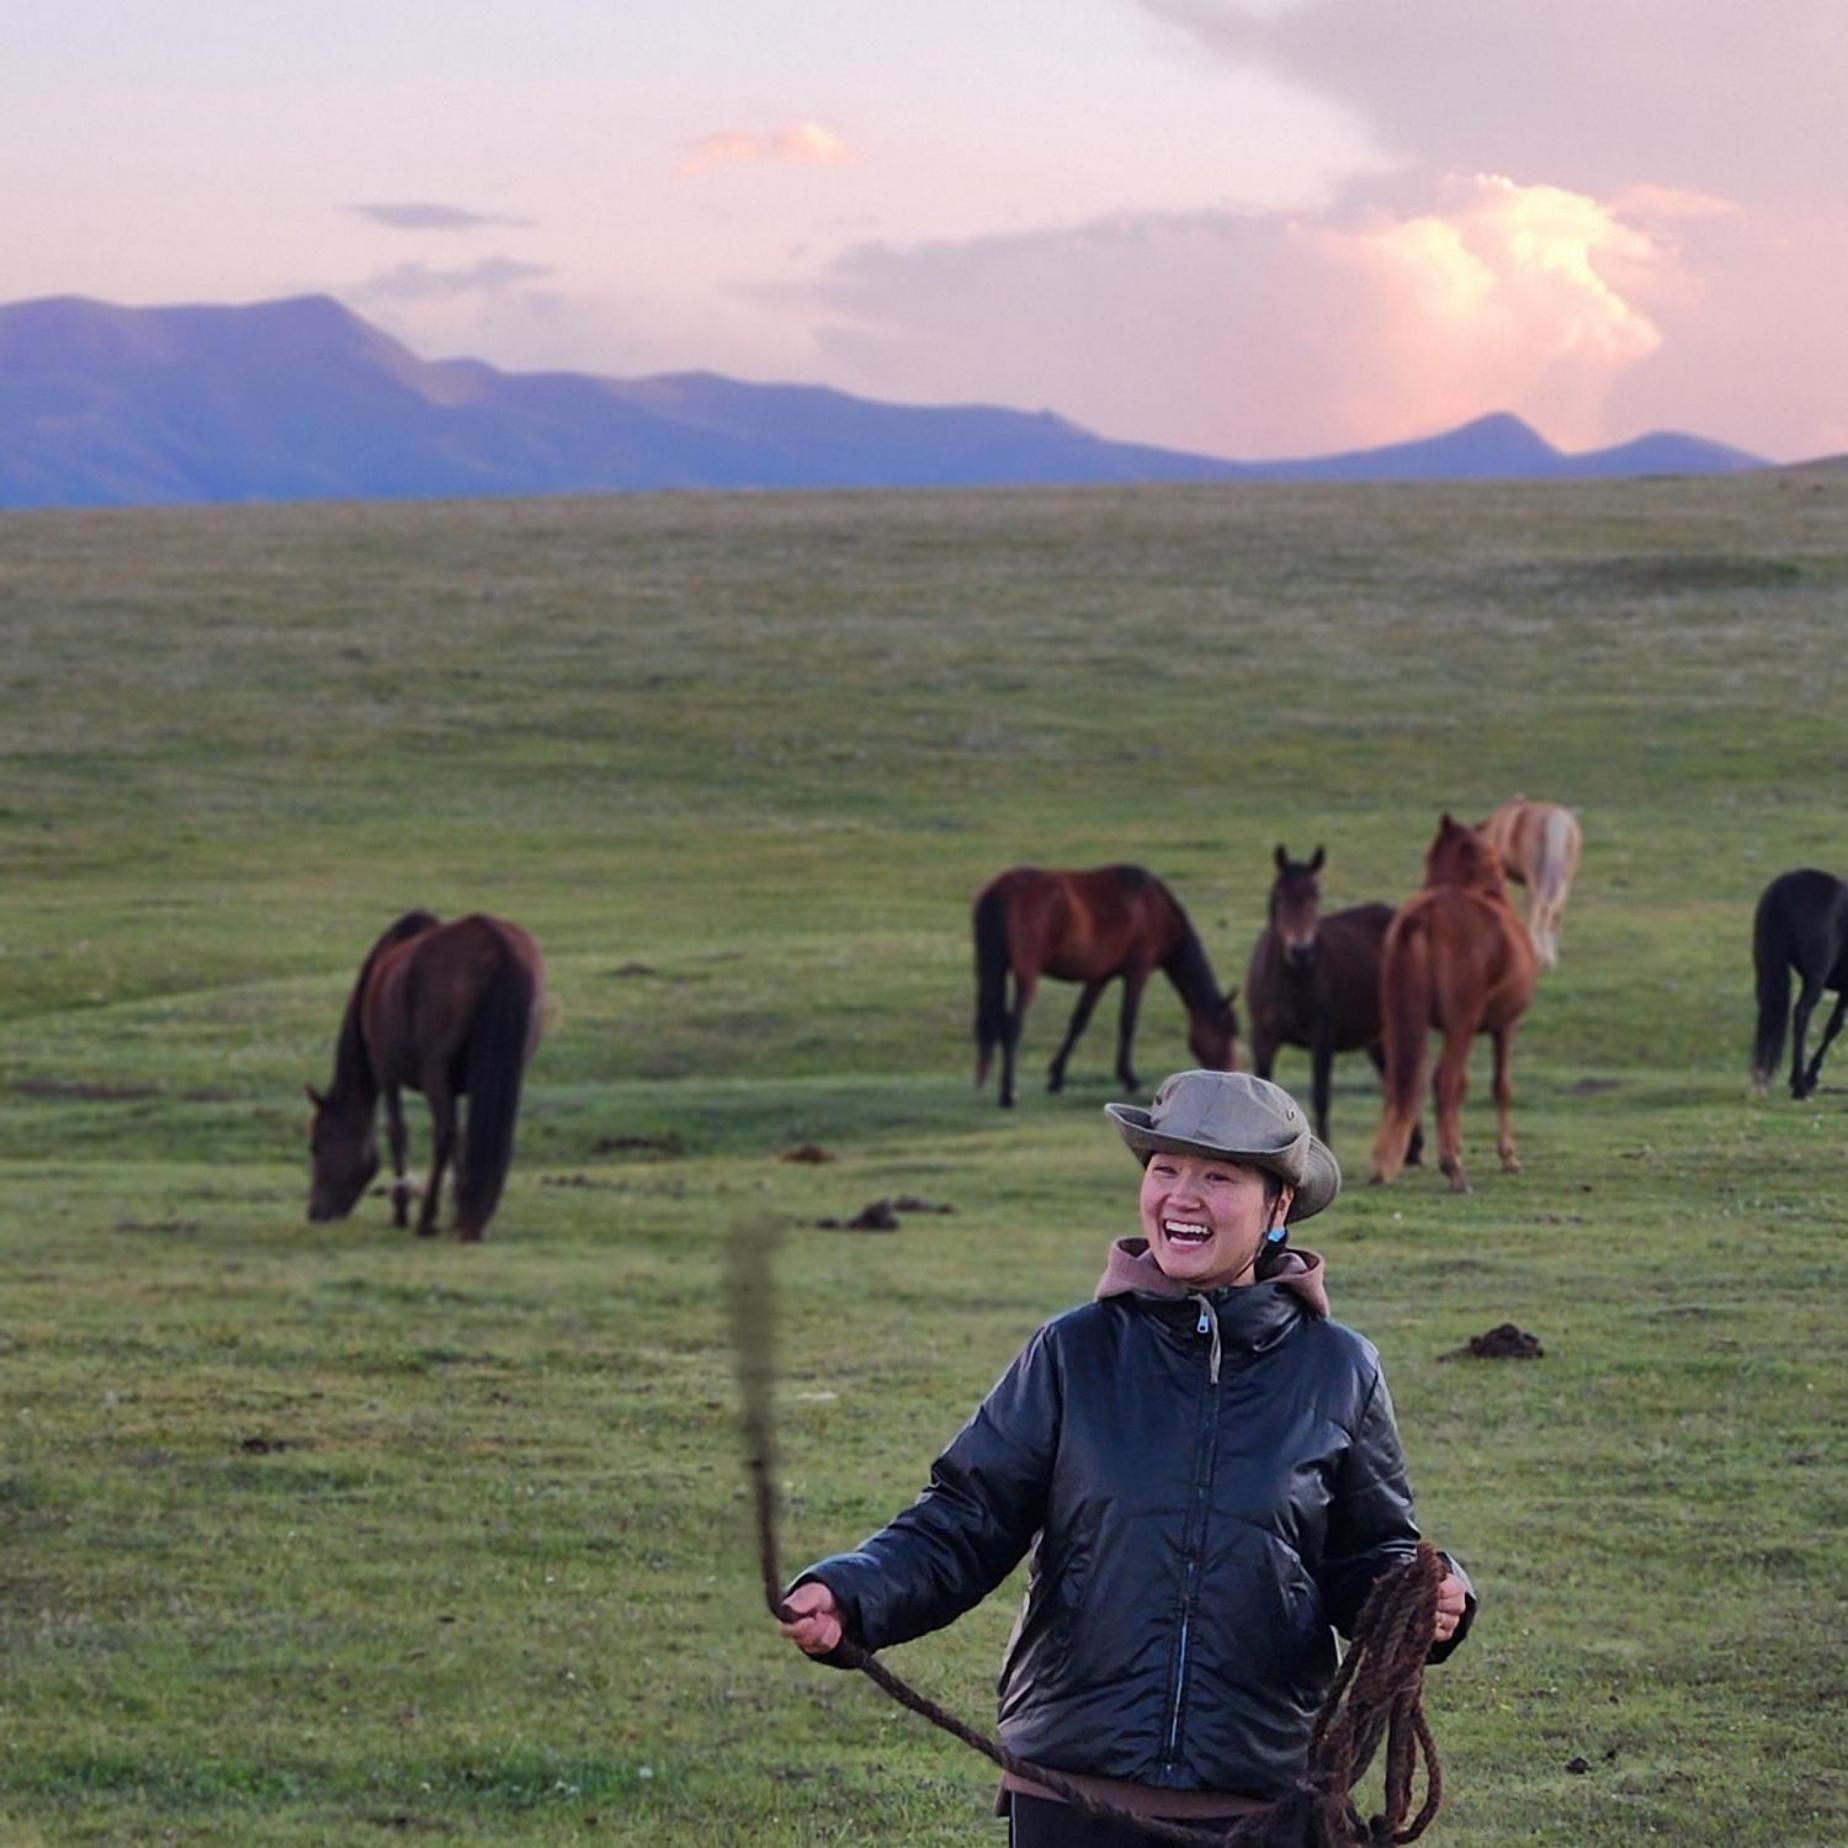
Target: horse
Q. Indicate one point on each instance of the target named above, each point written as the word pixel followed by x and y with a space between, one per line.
pixel 1457 957
pixel 1802 920
pixel 1314 981
pixel 1089 927
pixel 1539 846
pixel 449 1010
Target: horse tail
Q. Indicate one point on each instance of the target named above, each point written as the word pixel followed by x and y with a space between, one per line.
pixel 497 1051
pixel 1405 1029
pixel 1771 959
pixel 993 951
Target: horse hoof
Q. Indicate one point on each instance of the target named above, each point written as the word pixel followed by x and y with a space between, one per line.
pixel 1510 1165
pixel 1459 1185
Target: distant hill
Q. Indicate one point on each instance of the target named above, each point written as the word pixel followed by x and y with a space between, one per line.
pixel 303 400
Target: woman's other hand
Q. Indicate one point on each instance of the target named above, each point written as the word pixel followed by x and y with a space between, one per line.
pixel 1450 1606
pixel 815 1626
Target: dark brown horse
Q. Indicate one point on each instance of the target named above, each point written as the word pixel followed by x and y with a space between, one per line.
pixel 1089 927
pixel 449 1010
pixel 1314 981
pixel 1457 958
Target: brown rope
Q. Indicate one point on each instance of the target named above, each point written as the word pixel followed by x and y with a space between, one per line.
pixel 1376 1693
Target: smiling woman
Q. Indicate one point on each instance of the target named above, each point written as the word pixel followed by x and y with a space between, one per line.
pixel 1207 1470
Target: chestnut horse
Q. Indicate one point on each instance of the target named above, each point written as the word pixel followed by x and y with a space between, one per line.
pixel 447 1009
pixel 1089 927
pixel 1457 958
pixel 1539 847
pixel 1314 981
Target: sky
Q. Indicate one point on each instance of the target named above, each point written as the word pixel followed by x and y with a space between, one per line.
pixel 1246 227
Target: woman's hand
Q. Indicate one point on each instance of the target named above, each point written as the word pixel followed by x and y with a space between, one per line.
pixel 816 1628
pixel 1450 1606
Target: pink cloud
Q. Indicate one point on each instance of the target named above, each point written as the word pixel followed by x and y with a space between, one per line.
pixel 809 144
pixel 1253 334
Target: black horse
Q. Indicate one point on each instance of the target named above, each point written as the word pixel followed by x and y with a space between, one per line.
pixel 1801 922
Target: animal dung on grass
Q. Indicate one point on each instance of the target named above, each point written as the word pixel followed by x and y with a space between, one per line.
pixel 809 1152
pixel 882 1215
pixel 1503 1342
pixel 875 1216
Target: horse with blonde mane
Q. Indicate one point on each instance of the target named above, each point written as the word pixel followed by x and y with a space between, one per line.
pixel 1539 847
pixel 1458 958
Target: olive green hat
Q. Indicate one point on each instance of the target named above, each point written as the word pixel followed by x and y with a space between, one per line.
pixel 1243 1118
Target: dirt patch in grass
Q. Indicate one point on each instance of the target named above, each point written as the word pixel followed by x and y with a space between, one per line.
pixel 669 1144
pixel 76 1090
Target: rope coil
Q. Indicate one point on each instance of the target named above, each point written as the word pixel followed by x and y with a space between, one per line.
pixel 1377 1692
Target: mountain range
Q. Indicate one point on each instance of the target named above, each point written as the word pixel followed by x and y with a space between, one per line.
pixel 303 400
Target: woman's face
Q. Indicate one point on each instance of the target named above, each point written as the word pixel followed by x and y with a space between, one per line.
pixel 1204 1217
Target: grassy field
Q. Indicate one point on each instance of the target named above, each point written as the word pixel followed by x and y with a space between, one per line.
pixel 326 1535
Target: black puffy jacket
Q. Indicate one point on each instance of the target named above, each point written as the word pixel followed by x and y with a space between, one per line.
pixel 1202 1508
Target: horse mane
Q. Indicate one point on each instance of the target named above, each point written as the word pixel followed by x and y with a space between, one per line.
pixel 1190 972
pixel 1475 865
pixel 352 1069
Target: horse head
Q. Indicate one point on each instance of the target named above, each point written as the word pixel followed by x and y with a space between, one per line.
pixel 1460 855
pixel 1212 1035
pixel 1296 908
pixel 345 1149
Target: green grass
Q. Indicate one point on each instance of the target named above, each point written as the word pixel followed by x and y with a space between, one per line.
pixel 323 1534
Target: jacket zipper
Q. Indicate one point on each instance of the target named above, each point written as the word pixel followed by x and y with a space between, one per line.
pixel 1208 1324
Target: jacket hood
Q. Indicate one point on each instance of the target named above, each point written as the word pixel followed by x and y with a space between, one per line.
pixel 1132 1269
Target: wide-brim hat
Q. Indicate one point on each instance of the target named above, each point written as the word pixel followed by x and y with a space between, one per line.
pixel 1243 1118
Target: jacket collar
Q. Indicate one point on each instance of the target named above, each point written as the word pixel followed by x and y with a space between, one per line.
pixel 1250 1316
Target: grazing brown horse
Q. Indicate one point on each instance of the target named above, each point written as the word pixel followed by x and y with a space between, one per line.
pixel 1539 846
pixel 1457 958
pixel 1314 981
pixel 449 1010
pixel 1089 927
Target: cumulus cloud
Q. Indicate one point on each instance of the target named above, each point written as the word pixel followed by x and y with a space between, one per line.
pixel 424 215
pixel 1753 346
pixel 417 282
pixel 807 144
pixel 1728 97
pixel 1259 334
